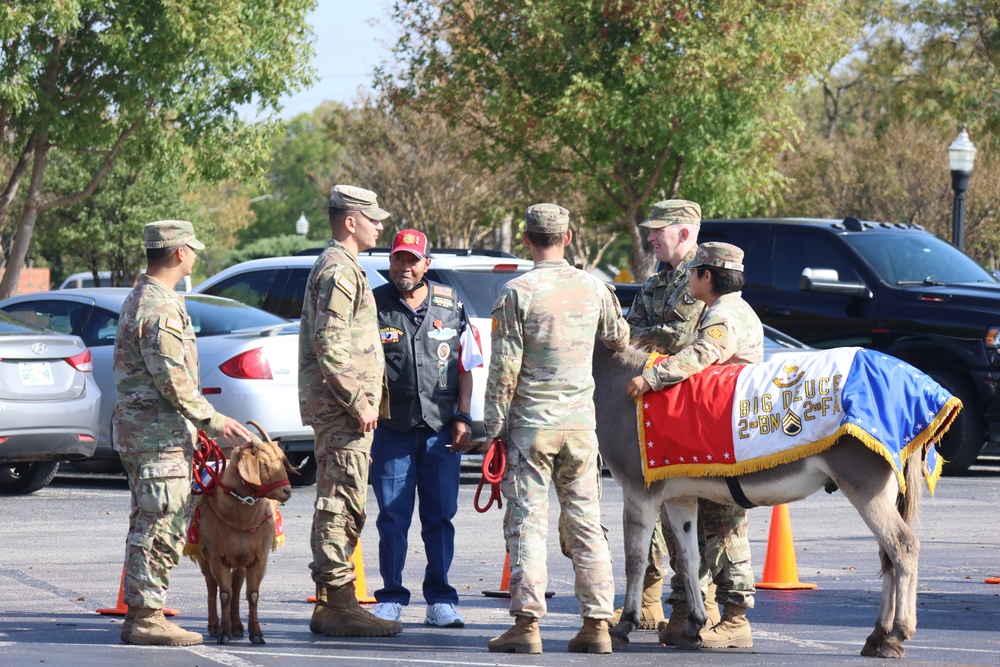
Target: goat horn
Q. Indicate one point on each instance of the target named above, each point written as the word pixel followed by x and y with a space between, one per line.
pixel 263 434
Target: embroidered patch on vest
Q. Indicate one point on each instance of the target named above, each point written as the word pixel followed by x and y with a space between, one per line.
pixel 443 351
pixel 390 335
pixel 442 302
pixel 441 290
pixel 442 334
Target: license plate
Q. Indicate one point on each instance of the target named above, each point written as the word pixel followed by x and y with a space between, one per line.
pixel 36 373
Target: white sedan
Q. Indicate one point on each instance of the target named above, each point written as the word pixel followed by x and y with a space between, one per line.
pixel 248 358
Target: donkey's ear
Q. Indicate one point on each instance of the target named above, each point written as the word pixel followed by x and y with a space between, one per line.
pixel 248 465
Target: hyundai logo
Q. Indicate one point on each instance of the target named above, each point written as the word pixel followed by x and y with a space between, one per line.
pixel 39 348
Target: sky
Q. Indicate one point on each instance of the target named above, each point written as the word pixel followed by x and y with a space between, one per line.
pixel 348 47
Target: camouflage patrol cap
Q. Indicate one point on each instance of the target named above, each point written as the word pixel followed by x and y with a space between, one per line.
pixel 671 212
pixel 353 198
pixel 170 234
pixel 714 253
pixel 546 218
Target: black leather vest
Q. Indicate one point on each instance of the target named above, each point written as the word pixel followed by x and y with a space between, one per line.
pixel 421 364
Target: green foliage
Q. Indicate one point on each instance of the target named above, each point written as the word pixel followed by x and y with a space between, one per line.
pixel 165 78
pixel 277 246
pixel 637 100
pixel 306 161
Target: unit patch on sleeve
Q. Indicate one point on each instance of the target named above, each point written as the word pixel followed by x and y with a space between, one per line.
pixel 716 332
pixel 390 335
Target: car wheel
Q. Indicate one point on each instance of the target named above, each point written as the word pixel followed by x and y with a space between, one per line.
pixel 306 463
pixel 17 478
pixel 960 447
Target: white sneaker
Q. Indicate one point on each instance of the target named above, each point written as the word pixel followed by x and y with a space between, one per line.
pixel 443 615
pixel 388 611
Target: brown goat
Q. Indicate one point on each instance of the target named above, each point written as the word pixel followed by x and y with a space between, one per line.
pixel 237 533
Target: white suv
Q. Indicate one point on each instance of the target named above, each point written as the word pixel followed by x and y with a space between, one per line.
pixel 278 284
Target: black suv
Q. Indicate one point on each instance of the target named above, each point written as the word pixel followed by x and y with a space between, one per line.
pixel 885 286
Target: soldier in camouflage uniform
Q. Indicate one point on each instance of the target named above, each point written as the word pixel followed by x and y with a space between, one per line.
pixel 341 378
pixel 662 318
pixel 159 412
pixel 540 394
pixel 729 332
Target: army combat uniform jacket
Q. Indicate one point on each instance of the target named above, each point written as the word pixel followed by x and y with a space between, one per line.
pixel 341 363
pixel 664 312
pixel 729 332
pixel 542 348
pixel 160 404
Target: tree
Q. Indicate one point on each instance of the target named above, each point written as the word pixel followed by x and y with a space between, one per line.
pixel 425 173
pixel 639 100
pixel 306 163
pixel 94 75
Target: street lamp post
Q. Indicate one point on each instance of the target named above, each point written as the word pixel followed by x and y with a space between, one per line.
pixel 961 155
pixel 302 225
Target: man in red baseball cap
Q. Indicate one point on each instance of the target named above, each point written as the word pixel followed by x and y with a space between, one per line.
pixel 430 348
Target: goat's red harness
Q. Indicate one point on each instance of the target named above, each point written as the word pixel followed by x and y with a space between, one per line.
pixel 494 464
pixel 209 462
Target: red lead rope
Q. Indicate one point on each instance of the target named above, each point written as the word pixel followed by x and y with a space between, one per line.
pixel 494 464
pixel 209 462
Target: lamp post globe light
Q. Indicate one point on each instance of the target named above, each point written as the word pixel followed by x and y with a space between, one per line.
pixel 302 225
pixel 961 155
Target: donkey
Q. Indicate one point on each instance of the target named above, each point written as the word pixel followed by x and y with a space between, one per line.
pixel 237 533
pixel 864 477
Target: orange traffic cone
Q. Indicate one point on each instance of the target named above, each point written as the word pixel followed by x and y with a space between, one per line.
pixel 122 608
pixel 780 570
pixel 360 589
pixel 504 590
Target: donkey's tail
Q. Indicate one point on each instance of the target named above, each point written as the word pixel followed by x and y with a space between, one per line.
pixel 908 502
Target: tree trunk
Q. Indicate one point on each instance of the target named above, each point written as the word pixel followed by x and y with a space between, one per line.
pixel 19 249
pixel 643 263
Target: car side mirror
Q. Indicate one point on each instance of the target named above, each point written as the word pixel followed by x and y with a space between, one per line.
pixel 827 281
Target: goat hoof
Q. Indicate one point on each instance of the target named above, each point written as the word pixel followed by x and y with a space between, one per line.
pixel 238 632
pixel 224 639
pixel 257 639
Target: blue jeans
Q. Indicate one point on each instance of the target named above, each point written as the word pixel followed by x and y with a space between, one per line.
pixel 417 462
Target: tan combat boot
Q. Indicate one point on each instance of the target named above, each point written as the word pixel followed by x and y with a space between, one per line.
pixel 733 631
pixel 523 637
pixel 592 638
pixel 127 623
pixel 151 628
pixel 652 605
pixel 338 614
pixel 711 607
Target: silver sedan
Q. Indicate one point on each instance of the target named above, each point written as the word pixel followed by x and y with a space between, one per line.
pixel 48 404
pixel 248 359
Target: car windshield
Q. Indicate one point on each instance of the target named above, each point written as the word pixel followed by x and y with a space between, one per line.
pixel 215 317
pixel 917 259
pixel 776 339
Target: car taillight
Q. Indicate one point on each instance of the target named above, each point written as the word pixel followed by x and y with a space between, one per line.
pixel 251 365
pixel 504 267
pixel 82 362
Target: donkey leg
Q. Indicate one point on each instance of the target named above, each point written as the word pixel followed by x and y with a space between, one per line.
pixel 897 620
pixel 683 516
pixel 641 509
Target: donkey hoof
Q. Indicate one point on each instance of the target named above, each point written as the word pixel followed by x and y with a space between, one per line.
pixel 619 642
pixel 870 649
pixel 256 639
pixel 891 648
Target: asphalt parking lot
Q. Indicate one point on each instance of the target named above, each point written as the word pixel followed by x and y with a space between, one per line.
pixel 61 552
